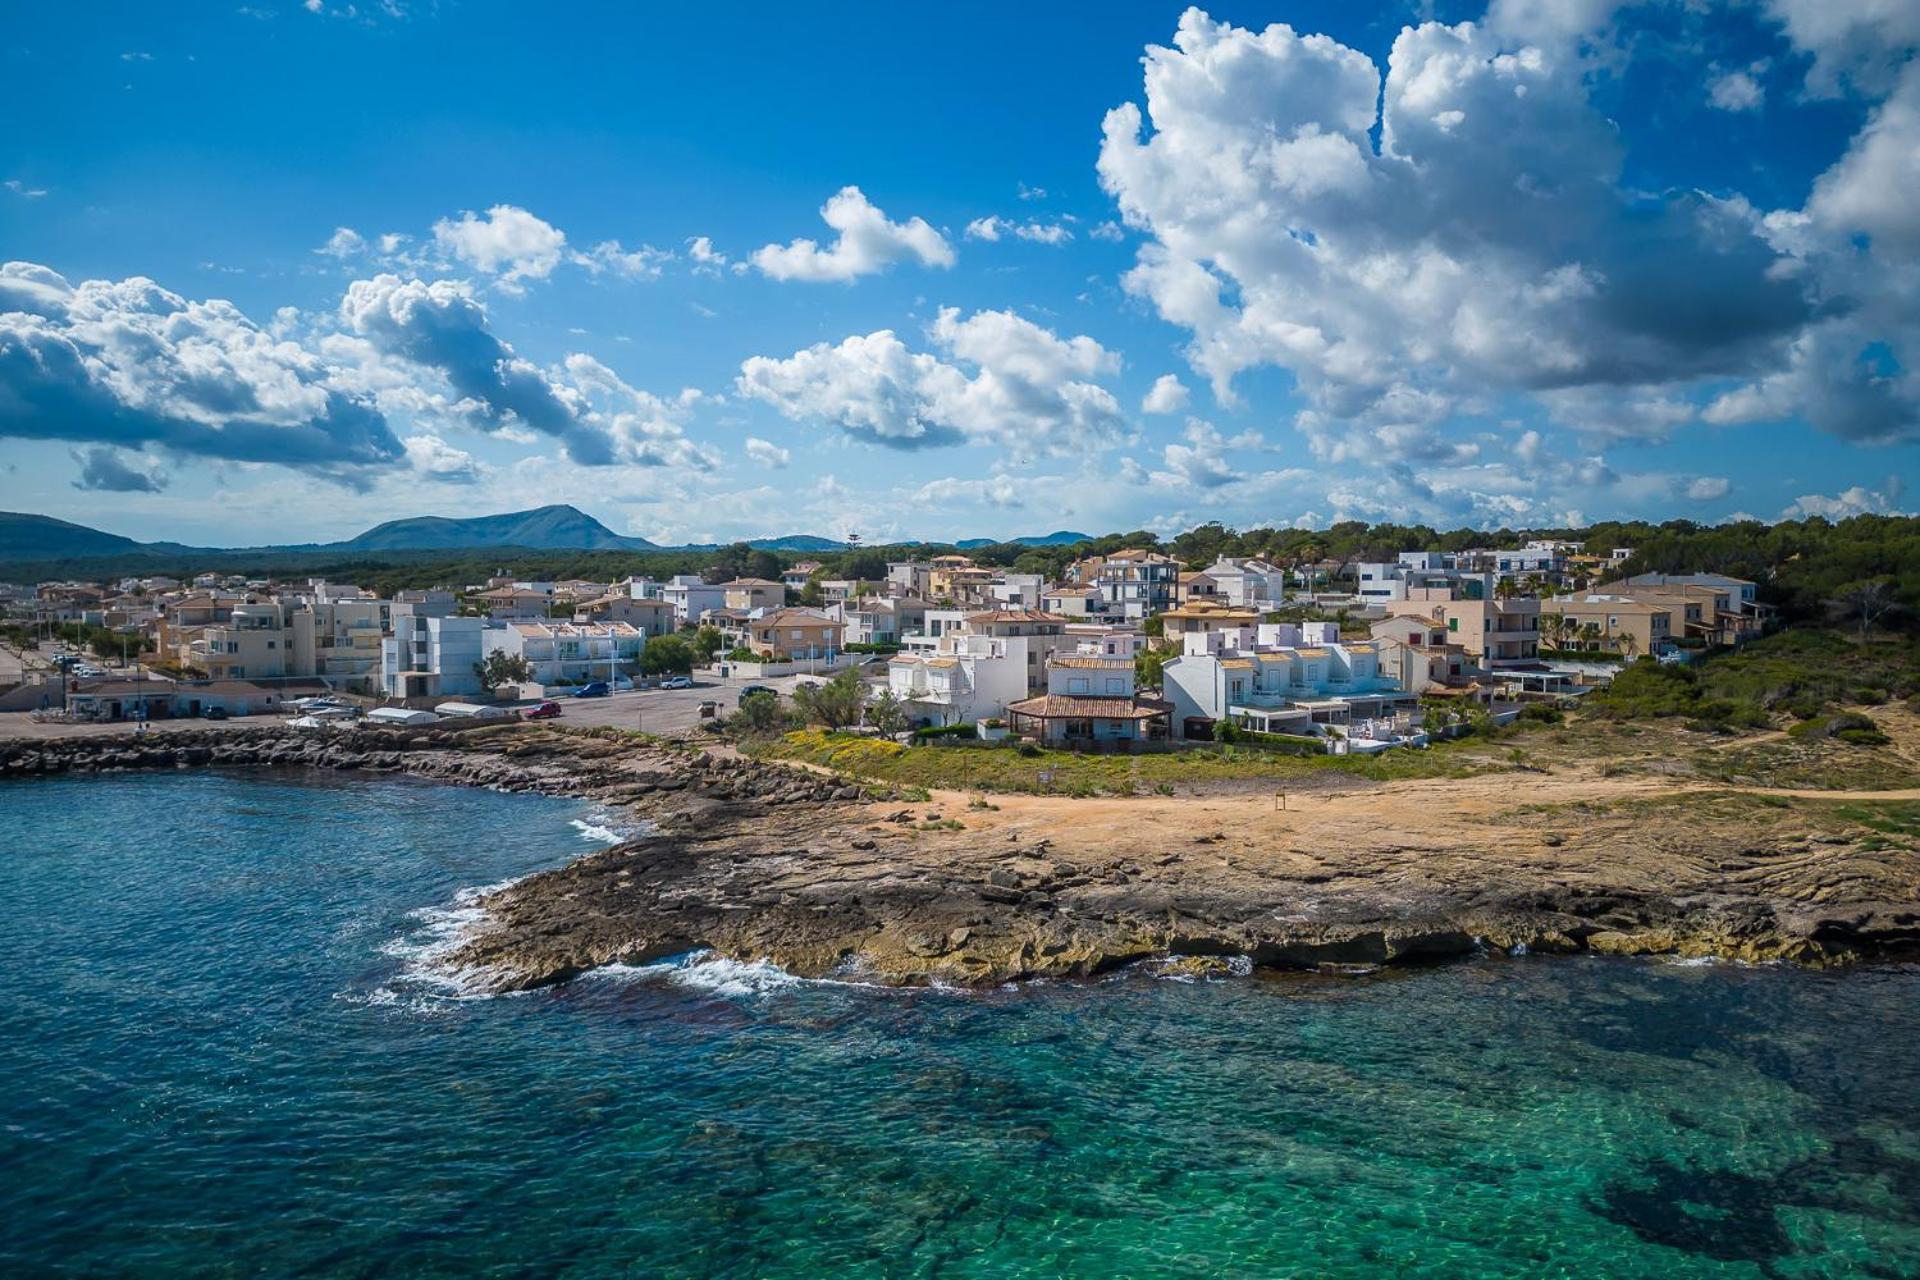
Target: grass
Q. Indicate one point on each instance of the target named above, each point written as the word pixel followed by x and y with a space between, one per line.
pixel 1003 769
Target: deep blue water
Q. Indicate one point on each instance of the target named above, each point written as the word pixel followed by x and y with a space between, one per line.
pixel 217 1057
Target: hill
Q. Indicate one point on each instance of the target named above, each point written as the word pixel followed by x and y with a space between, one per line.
pixel 552 528
pixel 25 536
pixel 1058 538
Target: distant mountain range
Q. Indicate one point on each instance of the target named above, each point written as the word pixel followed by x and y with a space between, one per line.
pixel 559 527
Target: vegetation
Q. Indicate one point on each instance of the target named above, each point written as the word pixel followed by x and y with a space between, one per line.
pixel 667 655
pixel 837 703
pixel 501 667
pixel 1027 768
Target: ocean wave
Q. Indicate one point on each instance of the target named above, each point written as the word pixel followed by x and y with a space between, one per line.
pixel 602 827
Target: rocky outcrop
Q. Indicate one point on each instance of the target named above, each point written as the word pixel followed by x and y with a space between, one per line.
pixel 760 861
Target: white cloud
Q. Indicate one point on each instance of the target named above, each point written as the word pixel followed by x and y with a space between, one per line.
pixel 435 459
pixel 129 363
pixel 1854 43
pixel 1281 233
pixel 600 420
pixel 1005 380
pixel 767 453
pixel 998 490
pixel 1168 395
pixel 508 243
pixel 993 227
pixel 643 263
pixel 866 243
pixel 344 243
pixel 1708 488
pixel 1856 501
pixel 1736 91
pixel 22 190
pixel 706 259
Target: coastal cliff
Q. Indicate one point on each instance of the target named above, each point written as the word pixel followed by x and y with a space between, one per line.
pixel 762 861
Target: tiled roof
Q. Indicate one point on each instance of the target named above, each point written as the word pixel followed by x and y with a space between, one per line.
pixel 1055 706
pixel 1012 615
pixel 1090 661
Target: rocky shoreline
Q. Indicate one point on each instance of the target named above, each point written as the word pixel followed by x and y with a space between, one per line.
pixel 759 861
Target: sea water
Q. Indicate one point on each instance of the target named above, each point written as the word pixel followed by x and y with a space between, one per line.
pixel 227 1049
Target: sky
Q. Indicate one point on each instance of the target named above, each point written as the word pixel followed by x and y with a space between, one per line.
pixel 280 270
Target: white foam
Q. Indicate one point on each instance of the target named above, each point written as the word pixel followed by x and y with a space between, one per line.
pixel 604 828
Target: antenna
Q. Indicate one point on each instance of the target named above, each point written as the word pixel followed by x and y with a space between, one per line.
pixel 853 540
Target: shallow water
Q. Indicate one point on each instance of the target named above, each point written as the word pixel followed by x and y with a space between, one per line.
pixel 219 1055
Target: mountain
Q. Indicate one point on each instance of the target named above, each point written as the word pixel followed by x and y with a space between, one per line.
pixel 1058 538
pixel 552 528
pixel 30 537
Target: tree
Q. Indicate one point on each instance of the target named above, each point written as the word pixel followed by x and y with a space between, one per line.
pixel 501 668
pixel 761 715
pixel 667 655
pixel 1590 635
pixel 706 642
pixel 1148 667
pixel 835 704
pixel 764 564
pixel 1628 644
pixel 887 714
pixel 1866 602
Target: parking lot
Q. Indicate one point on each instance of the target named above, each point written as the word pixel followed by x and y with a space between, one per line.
pixel 668 711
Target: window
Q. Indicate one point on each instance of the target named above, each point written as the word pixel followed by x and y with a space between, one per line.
pixel 1453 624
pixel 1116 685
pixel 1077 684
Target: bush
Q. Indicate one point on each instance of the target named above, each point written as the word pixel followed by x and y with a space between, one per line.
pixel 1848 726
pixel 945 731
pixel 1541 713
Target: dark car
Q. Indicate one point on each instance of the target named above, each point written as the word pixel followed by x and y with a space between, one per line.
pixel 544 711
pixel 747 691
pixel 598 689
pixel 214 713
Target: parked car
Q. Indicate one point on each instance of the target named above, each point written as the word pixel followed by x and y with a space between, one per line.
pixel 677 682
pixel 214 713
pixel 748 690
pixel 547 710
pixel 598 689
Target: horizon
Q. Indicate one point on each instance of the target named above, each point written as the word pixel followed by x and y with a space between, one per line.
pixel 1595 262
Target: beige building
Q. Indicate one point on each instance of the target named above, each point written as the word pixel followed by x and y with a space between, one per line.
pixel 1497 633
pixel 795 633
pixel 1617 624
pixel 754 593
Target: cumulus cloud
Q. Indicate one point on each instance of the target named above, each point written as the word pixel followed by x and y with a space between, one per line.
pixel 1168 395
pixel 1707 488
pixel 130 363
pixel 22 190
pixel 767 453
pixel 435 459
pixel 998 378
pixel 1484 244
pixel 598 418
pixel 707 260
pixel 866 242
pixel 644 263
pixel 107 471
pixel 508 243
pixel 1201 462
pixel 1858 44
pixel 1855 501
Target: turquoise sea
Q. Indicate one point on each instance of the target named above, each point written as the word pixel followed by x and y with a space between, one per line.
pixel 223 1053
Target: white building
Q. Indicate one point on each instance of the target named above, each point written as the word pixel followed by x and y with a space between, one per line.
pixel 691 596
pixel 967 677
pixel 571 652
pixel 431 657
pixel 1248 582
pixel 1278 678
pixel 1090 701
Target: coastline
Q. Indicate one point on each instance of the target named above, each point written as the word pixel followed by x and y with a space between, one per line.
pixel 760 861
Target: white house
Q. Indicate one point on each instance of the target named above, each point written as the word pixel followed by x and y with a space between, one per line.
pixel 1090 701
pixel 1278 678
pixel 967 677
pixel 1248 582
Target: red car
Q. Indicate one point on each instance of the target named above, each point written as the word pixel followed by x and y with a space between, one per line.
pixel 545 711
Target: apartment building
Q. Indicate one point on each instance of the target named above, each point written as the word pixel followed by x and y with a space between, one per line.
pixel 1496 633
pixel 432 656
pixel 563 653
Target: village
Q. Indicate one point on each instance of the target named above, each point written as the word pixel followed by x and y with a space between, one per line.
pixel 1131 650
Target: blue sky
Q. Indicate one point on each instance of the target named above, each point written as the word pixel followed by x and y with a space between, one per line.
pixel 279 274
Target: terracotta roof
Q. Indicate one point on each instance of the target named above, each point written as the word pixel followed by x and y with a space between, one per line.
pixel 1054 706
pixel 1012 615
pixel 795 618
pixel 753 582
pixel 1090 661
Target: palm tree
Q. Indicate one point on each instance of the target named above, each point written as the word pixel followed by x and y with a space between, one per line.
pixel 1628 644
pixel 1590 635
